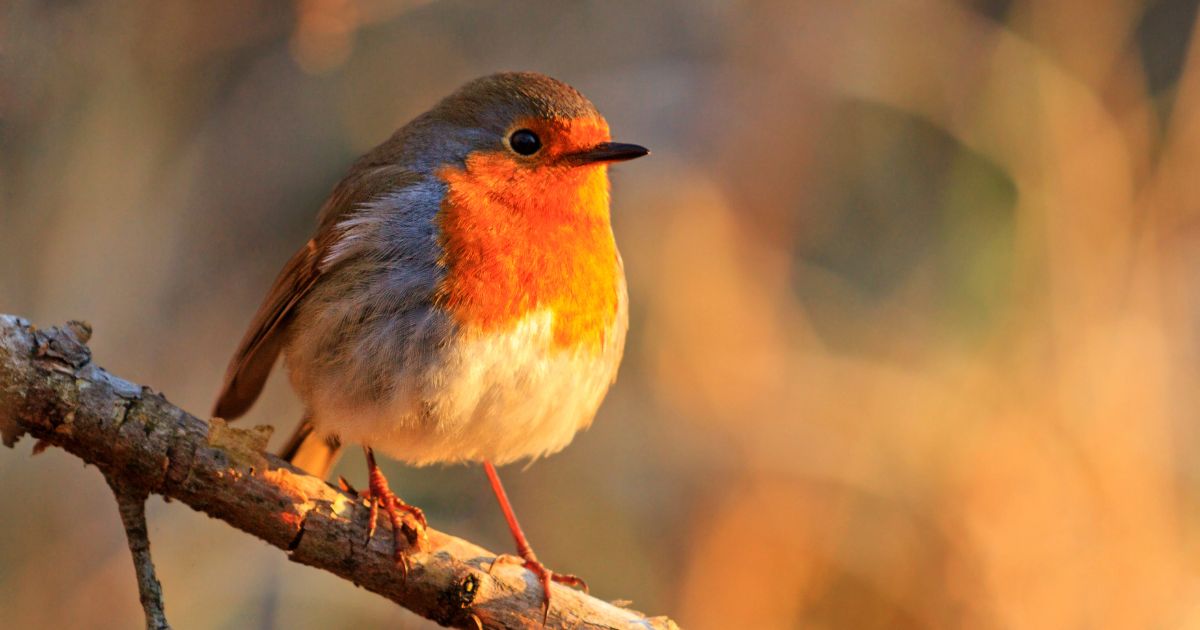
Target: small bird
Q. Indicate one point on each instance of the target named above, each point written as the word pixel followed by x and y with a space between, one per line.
pixel 462 298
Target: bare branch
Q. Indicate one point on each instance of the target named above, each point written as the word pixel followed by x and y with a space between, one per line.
pixel 132 506
pixel 50 389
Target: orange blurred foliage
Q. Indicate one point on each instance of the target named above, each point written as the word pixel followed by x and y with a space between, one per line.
pixel 913 289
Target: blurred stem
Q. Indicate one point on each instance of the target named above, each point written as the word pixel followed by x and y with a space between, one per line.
pixel 132 505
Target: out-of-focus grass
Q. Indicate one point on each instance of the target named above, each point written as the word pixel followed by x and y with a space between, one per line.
pixel 913 296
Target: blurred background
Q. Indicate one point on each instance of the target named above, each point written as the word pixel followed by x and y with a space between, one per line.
pixel 914 297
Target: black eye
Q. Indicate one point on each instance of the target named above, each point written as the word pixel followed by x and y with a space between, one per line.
pixel 525 142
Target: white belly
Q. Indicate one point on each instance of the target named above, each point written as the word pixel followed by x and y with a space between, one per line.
pixel 499 397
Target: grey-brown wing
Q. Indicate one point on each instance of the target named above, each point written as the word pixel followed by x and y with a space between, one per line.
pixel 260 347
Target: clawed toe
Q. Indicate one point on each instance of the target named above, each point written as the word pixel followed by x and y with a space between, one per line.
pixel 405 519
pixel 566 579
pixel 345 486
pixel 545 577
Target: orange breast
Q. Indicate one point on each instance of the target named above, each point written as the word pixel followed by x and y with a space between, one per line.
pixel 518 240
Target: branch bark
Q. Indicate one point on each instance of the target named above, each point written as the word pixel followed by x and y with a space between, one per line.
pixel 51 390
pixel 131 503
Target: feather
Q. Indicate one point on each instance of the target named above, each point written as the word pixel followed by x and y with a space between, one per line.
pixel 260 347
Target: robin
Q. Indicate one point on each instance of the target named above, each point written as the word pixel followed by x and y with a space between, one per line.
pixel 462 299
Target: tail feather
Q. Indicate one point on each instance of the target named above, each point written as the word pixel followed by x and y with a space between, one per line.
pixel 310 452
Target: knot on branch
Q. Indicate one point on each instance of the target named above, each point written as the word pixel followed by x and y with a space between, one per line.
pixel 66 345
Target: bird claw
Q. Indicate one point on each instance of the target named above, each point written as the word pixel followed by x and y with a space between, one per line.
pixel 408 518
pixel 544 576
pixel 405 519
pixel 347 488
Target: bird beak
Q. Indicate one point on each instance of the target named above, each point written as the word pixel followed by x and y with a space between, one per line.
pixel 606 152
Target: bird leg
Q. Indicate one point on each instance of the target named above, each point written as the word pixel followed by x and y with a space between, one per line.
pixel 527 558
pixel 406 519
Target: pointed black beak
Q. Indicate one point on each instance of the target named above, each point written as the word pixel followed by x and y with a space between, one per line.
pixel 606 152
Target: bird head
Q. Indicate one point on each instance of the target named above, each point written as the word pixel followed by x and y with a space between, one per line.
pixel 517 135
pixel 524 223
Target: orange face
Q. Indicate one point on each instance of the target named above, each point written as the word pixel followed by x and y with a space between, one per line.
pixel 523 234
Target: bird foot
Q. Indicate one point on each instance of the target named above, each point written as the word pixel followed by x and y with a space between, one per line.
pixel 407 520
pixel 544 576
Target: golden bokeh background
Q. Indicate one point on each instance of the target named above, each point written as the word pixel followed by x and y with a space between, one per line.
pixel 915 291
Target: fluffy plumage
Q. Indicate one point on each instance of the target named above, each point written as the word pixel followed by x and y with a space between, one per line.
pixel 458 302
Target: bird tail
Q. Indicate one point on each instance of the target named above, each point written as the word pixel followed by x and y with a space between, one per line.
pixel 310 452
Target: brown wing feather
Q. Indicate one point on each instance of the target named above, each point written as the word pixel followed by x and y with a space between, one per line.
pixel 259 349
pixel 373 175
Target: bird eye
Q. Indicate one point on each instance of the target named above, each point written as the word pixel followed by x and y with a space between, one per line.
pixel 525 142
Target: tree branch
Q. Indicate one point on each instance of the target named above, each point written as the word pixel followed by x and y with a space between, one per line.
pixel 50 389
pixel 131 504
